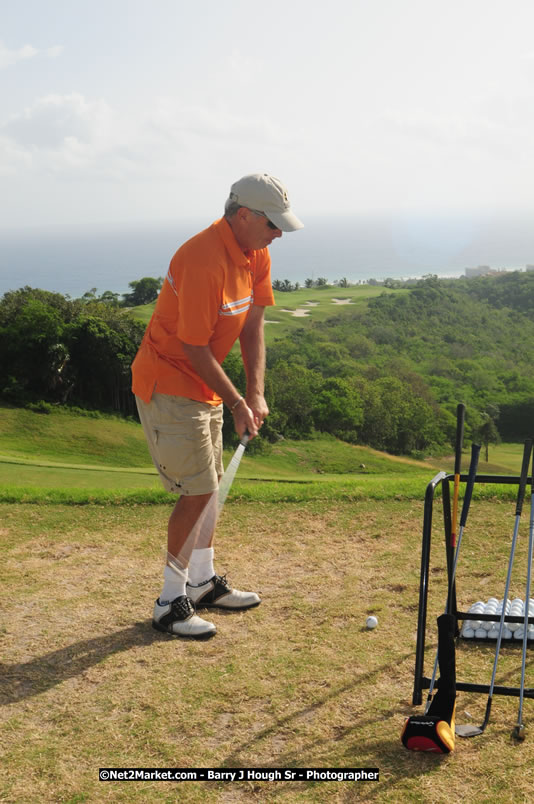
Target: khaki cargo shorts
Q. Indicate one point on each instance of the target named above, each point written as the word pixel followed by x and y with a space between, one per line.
pixel 185 441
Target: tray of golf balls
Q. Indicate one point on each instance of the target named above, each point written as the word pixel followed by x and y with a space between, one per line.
pixel 476 628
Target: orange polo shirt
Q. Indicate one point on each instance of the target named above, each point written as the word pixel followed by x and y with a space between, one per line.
pixel 210 286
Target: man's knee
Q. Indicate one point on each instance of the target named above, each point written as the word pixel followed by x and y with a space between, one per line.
pixel 192 502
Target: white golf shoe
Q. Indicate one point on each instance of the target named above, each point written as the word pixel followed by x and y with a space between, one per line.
pixel 179 619
pixel 216 593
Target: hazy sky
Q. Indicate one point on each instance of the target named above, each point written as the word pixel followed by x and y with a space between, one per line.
pixel 147 110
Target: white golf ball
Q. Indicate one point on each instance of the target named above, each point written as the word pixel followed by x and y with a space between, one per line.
pixel 371 622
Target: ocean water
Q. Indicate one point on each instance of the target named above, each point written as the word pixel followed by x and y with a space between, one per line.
pixel 73 261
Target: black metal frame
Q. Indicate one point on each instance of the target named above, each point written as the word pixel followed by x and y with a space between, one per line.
pixel 420 680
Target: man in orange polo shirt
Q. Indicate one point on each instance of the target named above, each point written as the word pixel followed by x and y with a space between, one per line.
pixel 215 291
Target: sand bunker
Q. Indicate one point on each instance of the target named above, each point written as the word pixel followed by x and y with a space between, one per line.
pixel 299 313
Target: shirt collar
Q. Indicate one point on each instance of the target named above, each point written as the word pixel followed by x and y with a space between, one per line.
pixel 232 246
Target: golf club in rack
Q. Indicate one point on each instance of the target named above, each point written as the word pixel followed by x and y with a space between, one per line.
pixel 475 452
pixel 519 730
pixel 467 730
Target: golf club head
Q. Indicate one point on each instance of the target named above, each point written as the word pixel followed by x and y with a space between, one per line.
pixel 466 730
pixel 519 732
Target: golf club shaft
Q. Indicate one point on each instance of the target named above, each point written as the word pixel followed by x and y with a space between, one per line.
pixel 473 466
pixel 230 473
pixel 202 532
pixel 519 508
pixel 527 601
pixel 475 452
pixel 472 731
pixel 460 419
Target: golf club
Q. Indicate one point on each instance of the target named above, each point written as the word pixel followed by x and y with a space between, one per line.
pixel 230 473
pixel 467 730
pixel 519 730
pixel 475 452
pixel 201 534
pixel 460 418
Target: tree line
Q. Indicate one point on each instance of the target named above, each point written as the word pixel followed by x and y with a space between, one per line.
pixel 143 291
pixel 286 286
pixel 55 350
pixel 388 374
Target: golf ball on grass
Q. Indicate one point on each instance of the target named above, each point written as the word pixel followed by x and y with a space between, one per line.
pixel 371 622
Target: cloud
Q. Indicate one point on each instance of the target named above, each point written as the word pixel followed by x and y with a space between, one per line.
pixel 67 135
pixel 9 57
pixel 494 125
pixel 171 120
pixel 73 135
pixel 55 120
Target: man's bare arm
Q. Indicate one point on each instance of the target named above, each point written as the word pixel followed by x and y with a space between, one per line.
pixel 252 341
pixel 210 371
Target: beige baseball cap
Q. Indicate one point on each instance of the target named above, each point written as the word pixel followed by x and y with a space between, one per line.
pixel 263 193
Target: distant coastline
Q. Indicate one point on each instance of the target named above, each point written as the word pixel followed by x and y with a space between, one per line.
pixel 75 260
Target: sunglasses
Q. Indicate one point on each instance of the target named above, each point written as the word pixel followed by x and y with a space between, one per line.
pixel 270 224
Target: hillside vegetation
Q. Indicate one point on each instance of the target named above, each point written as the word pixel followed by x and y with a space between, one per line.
pixel 304 307
pixel 385 370
pixel 75 459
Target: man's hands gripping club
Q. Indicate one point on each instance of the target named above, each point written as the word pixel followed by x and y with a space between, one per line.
pixel 249 411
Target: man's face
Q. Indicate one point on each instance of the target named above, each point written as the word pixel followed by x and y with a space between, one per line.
pixel 254 230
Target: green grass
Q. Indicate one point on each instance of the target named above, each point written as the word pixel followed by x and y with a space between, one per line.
pixel 66 457
pixel 302 308
pixel 65 436
pixel 298 682
pixel 317 303
pixel 328 533
pixel 503 459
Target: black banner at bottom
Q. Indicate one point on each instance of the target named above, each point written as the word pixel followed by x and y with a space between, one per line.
pixel 239 774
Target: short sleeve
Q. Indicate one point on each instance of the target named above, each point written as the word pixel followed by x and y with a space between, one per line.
pixel 199 295
pixel 263 291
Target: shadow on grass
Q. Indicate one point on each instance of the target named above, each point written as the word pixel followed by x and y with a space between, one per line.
pixel 385 752
pixel 26 679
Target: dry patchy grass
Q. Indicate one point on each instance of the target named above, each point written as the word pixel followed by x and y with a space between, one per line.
pixel 298 682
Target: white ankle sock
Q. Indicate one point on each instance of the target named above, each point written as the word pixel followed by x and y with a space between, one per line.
pixel 174 581
pixel 201 565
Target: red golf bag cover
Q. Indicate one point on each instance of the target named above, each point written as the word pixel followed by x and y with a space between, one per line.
pixel 434 731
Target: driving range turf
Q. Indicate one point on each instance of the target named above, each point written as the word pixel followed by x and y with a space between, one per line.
pixel 297 682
